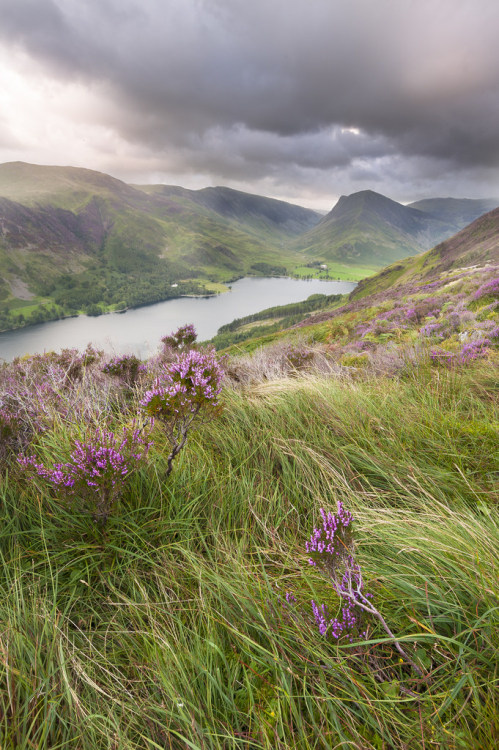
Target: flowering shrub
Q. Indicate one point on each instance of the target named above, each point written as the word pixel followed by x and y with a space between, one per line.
pixel 427 307
pixel 181 339
pixel 27 406
pixel 431 329
pixel 75 362
pixel 186 388
pixel 15 432
pixel 42 389
pixel 127 368
pixel 473 350
pixel 331 551
pixel 97 469
pixel 489 289
pixel 469 352
pixel 494 335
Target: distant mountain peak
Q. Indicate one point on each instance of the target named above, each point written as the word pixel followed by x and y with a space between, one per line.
pixel 367 228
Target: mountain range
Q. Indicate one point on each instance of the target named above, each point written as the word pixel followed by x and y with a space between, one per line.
pixel 73 239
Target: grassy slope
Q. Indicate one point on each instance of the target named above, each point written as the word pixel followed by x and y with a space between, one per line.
pixel 170 630
pixel 476 245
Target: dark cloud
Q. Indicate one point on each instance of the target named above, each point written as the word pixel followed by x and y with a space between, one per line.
pixel 271 89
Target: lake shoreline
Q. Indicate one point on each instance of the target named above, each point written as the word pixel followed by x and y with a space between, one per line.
pixel 207 295
pixel 138 330
pixel 111 312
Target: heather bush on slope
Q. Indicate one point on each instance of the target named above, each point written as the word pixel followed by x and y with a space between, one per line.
pixel 185 392
pixel 95 474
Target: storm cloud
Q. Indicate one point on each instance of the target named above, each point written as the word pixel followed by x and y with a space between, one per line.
pixel 303 100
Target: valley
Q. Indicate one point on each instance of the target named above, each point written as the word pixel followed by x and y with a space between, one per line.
pixel 178 605
pixel 77 241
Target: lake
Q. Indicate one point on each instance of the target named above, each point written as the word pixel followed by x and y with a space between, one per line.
pixel 139 331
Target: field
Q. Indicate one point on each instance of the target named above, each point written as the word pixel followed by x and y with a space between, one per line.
pixel 334 271
pixel 185 620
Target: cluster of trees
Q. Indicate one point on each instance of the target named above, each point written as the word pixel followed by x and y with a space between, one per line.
pixel 11 319
pixel 314 302
pixel 99 289
pixel 288 315
pixel 267 269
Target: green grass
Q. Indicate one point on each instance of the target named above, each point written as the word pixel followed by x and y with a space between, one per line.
pixel 168 630
pixel 340 271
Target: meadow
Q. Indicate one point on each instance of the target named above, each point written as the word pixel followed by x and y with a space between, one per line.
pixel 183 619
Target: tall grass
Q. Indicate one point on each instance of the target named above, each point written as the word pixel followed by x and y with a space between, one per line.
pixel 169 629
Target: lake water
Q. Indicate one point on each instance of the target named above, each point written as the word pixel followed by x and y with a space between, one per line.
pixel 139 331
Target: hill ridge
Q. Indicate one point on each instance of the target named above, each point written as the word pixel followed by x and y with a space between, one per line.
pixel 80 239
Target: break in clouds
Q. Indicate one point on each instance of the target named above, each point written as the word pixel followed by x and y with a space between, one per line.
pixel 302 100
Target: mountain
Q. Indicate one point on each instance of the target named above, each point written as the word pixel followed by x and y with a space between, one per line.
pixel 475 246
pixel 367 228
pixel 255 213
pixel 455 211
pixel 76 240
pixel 80 238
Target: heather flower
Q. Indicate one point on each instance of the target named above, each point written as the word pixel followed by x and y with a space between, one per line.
pixel 331 550
pixel 489 289
pixel 97 469
pixel 183 338
pixel 126 367
pixel 185 390
pixel 330 541
pixel 474 350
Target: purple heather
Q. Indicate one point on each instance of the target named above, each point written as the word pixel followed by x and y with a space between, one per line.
pixel 97 469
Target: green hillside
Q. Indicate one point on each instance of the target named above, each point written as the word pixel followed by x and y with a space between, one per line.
pixel 475 246
pixel 76 240
pixel 259 216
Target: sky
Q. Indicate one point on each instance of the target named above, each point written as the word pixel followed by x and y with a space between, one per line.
pixel 302 100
